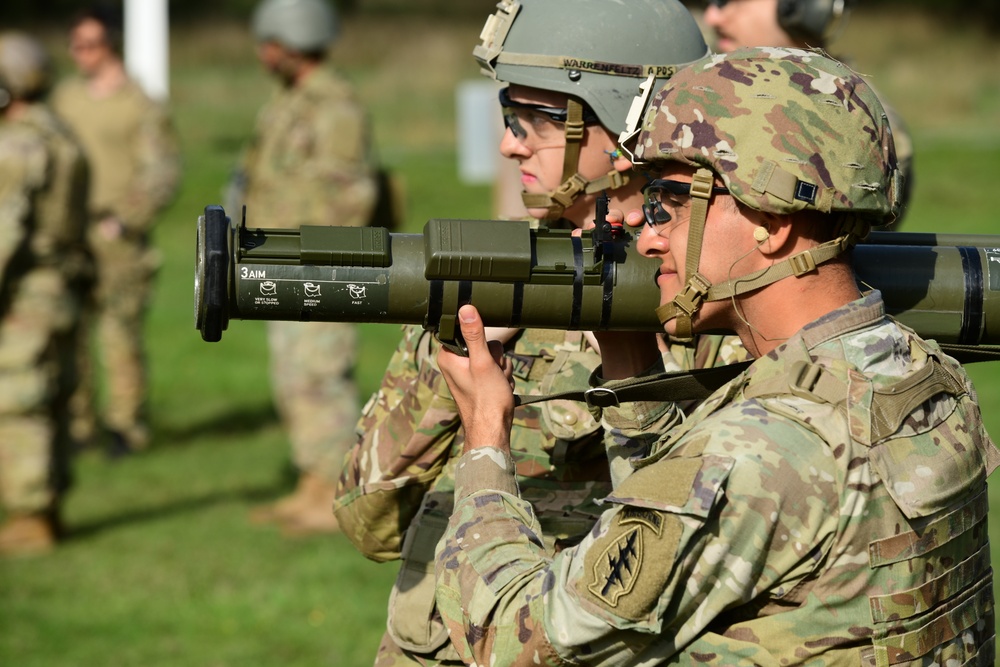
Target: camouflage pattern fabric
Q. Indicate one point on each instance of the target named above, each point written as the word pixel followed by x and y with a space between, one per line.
pixel 43 188
pixel 135 165
pixel 902 139
pixel 840 520
pixel 310 163
pixel 825 144
pixel 399 479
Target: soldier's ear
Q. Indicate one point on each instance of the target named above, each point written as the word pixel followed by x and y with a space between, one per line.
pixel 773 234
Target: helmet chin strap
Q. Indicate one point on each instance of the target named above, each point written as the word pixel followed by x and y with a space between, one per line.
pixel 683 306
pixel 573 182
pixel 698 289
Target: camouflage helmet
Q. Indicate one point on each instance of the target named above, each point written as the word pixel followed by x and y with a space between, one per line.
pixel 25 67
pixel 785 130
pixel 307 26
pixel 595 50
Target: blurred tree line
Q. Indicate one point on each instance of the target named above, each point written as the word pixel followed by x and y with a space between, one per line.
pixel 982 12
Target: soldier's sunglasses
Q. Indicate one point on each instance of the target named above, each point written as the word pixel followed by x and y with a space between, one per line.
pixel 661 193
pixel 518 114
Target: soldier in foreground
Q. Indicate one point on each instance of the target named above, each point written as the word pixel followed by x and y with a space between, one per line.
pixel 799 24
pixel 135 165
pixel 563 121
pixel 43 191
pixel 827 506
pixel 310 163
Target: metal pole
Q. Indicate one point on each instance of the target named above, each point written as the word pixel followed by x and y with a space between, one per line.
pixel 147 30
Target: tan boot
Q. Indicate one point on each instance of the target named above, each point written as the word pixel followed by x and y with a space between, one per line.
pixel 315 513
pixel 280 510
pixel 29 534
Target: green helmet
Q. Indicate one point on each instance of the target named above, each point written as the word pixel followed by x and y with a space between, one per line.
pixel 595 50
pixel 602 54
pixel 25 67
pixel 785 130
pixel 307 26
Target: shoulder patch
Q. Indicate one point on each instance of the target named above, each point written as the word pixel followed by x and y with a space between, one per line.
pixel 627 568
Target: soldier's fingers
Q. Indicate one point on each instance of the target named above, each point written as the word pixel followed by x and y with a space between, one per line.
pixel 615 216
pixel 496 351
pixel 635 218
pixel 508 371
pixel 474 334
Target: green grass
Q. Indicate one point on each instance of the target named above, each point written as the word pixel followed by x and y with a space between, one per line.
pixel 162 567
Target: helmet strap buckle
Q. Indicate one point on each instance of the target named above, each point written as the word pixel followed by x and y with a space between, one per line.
pixel 693 294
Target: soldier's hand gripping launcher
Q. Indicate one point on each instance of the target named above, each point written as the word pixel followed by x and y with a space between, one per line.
pixel 945 287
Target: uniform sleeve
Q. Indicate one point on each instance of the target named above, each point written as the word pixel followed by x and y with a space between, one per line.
pixel 404 439
pixel 689 538
pixel 157 173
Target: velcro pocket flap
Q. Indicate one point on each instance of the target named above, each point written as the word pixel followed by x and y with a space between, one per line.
pixel 929 465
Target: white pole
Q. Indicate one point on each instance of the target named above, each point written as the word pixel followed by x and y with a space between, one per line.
pixel 480 128
pixel 147 57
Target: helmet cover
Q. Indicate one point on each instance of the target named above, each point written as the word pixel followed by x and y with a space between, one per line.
pixel 785 130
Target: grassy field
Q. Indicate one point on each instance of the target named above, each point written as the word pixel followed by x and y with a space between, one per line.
pixel 162 567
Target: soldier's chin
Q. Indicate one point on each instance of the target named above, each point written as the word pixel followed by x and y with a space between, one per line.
pixel 538 213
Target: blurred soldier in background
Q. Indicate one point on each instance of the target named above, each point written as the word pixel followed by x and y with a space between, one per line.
pixel 43 261
pixel 799 24
pixel 132 150
pixel 310 163
pixel 571 85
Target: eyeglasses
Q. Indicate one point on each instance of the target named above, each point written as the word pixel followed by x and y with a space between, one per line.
pixel 536 120
pixel 86 45
pixel 662 197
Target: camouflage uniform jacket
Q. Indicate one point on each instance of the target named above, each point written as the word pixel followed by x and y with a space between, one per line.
pixel 132 148
pixel 43 189
pixel 828 506
pixel 311 162
pixel 23 165
pixel 399 478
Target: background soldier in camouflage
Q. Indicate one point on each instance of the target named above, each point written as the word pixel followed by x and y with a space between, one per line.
pixel 799 24
pixel 134 160
pixel 310 163
pixel 828 506
pixel 43 190
pixel 399 478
